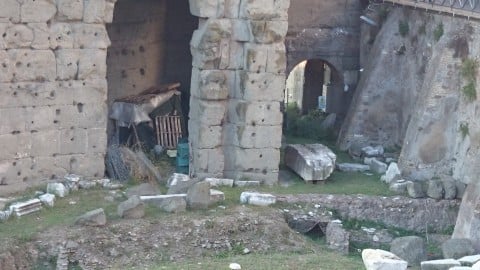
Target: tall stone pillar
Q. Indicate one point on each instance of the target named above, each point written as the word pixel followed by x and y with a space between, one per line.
pixel 238 83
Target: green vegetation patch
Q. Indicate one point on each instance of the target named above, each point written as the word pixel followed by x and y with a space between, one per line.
pixel 438 32
pixel 403 28
pixel 464 130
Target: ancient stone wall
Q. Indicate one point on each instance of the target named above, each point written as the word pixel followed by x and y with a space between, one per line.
pixel 52 89
pixel 238 82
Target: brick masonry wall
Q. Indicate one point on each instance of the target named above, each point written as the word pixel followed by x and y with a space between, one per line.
pixel 52 89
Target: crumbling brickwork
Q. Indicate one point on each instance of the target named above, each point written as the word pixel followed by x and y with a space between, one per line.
pixel 52 89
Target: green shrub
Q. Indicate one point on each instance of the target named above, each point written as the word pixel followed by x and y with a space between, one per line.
pixel 470 92
pixel 469 69
pixel 438 32
pixel 403 28
pixel 305 126
pixel 464 130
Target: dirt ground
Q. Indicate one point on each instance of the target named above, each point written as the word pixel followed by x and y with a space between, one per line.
pixel 144 243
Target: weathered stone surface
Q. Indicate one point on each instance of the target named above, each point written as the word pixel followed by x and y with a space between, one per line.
pixel 415 189
pixel 217 182
pixel 267 32
pixel 33 65
pixel 372 151
pixel 181 185
pixel 47 199
pixel 206 9
pixel 337 237
pixel 435 189
pixel 170 203
pixel 449 190
pixel 10 9
pixel 265 10
pixel 93 218
pixel 468 220
pixel 377 259
pixel 57 189
pixel 378 166
pixel 144 189
pixel 444 264
pixel 132 208
pixel 469 260
pixel 457 248
pixel 398 187
pixel 461 187
pixel 255 198
pixel 37 11
pixel 198 196
pixel 393 173
pixel 216 196
pixel 352 167
pixel 247 183
pixel 410 248
pixel 19 36
pixel 476 266
pixel 70 9
pixel 311 162
pixel 460 268
pixel 94 11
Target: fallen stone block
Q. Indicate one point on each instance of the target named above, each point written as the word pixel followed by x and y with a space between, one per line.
pixel 393 173
pixel 449 190
pixel 216 196
pixel 173 203
pixel 368 160
pixel 176 178
pixel 435 189
pixel 410 248
pixel 58 189
pixel 180 183
pixel 25 208
pixel 415 190
pixel 311 161
pixel 457 248
pixel 85 184
pixel 398 187
pixel 94 218
pixel 460 268
pixel 377 259
pixel 352 167
pixel 217 182
pixel 338 238
pixel 247 183
pixel 371 151
pixel 144 189
pixel 255 198
pixel 47 199
pixel 133 208
pixel 378 167
pixel 198 196
pixel 444 264
pixel 5 215
pixel 469 260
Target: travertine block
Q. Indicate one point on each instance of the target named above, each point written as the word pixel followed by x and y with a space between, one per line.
pixel 241 30
pixel 207 8
pixel 10 9
pixel 92 64
pixel 256 57
pixel 73 141
pixel 94 11
pixel 247 136
pixel 259 86
pixel 18 36
pixel 255 113
pixel 37 10
pixel 211 161
pixel 61 36
pixel 277 59
pixel 90 36
pixel 265 10
pixel 268 32
pixel 212 84
pixel 33 65
pixel 208 112
pixel 67 63
pixel 232 8
pixel 6 67
pixel 41 36
pixel 70 10
pixel 252 159
pixel 206 137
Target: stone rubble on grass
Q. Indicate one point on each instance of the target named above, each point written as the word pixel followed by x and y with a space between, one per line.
pixel 368 160
pixel 259 199
pixel 235 266
pixel 410 248
pixel 377 259
pixel 378 167
pixel 57 189
pixel 94 218
pixel 133 208
pixel 5 215
pixel 415 189
pixel 398 187
pixel 457 248
pixel 449 189
pixel 72 182
pixel 85 184
pixel 217 182
pixel 26 207
pixel 312 162
pixel 352 167
pixel 435 189
pixel 443 264
pixel 337 237
pixel 176 178
pixel 180 183
pixel 47 199
pixel 247 183
pixel 198 196
pixel 373 151
pixel 393 173
pixel 173 203
pixel 143 189
pixel 216 196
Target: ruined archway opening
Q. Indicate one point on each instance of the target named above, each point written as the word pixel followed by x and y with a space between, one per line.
pixel 314 100
pixel 149 48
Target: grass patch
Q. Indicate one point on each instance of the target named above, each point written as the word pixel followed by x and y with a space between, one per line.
pixel 469 69
pixel 438 32
pixel 316 260
pixel 63 213
pixel 403 28
pixel 306 126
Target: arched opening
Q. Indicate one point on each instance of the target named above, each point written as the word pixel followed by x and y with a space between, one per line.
pixel 149 49
pixel 314 100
